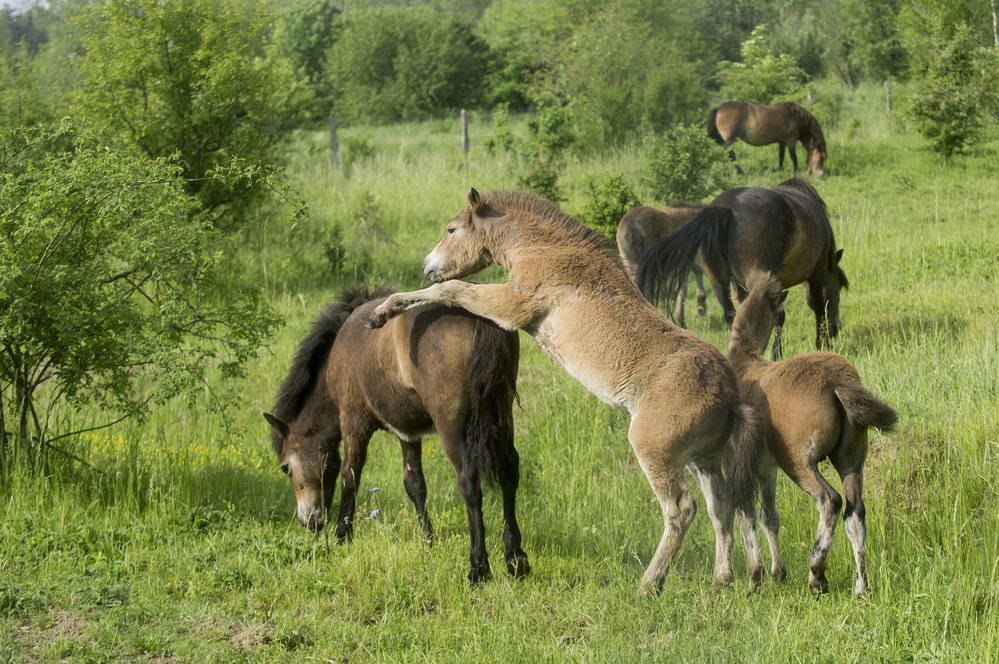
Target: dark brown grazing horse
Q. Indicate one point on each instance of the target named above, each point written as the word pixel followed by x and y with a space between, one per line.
pixel 814 407
pixel 784 231
pixel 641 226
pixel 438 368
pixel 784 123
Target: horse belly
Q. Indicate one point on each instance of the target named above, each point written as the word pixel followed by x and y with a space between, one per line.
pixel 580 354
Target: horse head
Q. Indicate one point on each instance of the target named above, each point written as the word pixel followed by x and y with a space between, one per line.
pixel 311 460
pixel 462 250
pixel 834 281
pixel 817 157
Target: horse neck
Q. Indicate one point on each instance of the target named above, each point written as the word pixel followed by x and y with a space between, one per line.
pixel 750 332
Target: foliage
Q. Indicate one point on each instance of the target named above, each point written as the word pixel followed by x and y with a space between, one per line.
pixel 683 163
pixel 608 198
pixel 200 80
pixel 22 103
pixel 309 30
pixel 521 38
pixel 112 286
pixel 762 76
pixel 401 63
pixel 946 100
pixel 612 86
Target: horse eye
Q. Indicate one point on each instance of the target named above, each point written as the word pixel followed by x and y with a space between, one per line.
pixel 286 469
pixel 450 230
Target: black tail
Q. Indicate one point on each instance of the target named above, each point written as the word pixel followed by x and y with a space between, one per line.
pixel 744 464
pixel 865 409
pixel 665 265
pixel 713 128
pixel 313 352
pixel 492 384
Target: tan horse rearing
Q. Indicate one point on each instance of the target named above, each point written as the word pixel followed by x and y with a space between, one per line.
pixel 569 291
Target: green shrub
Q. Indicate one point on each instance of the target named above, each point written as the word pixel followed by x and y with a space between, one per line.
pixel 762 76
pixel 608 198
pixel 684 163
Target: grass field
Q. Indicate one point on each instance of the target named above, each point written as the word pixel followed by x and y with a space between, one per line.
pixel 184 547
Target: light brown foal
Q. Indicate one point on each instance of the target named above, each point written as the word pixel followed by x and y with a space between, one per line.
pixel 569 291
pixel 814 407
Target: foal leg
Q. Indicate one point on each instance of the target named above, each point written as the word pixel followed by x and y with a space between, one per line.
pixel 848 459
pixel 709 478
pixel 828 502
pixel 415 483
pixel 355 448
pixel 470 487
pixel 770 520
pixel 509 479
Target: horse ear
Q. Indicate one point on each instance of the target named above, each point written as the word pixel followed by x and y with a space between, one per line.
pixel 278 425
pixel 473 199
pixel 839 255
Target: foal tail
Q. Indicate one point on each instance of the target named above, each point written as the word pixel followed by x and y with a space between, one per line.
pixel 713 132
pixel 492 386
pixel 865 409
pixel 663 268
pixel 744 464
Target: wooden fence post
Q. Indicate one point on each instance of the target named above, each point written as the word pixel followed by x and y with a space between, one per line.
pixel 888 95
pixel 334 145
pixel 464 131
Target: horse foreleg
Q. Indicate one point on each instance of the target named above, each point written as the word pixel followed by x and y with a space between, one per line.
pixel 780 156
pixel 770 520
pixel 702 298
pixel 498 303
pixel 415 483
pixel 712 484
pixel 355 448
pixel 819 304
pixel 794 156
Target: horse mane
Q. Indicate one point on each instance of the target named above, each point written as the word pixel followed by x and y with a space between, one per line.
pixel 576 232
pixel 810 126
pixel 313 351
pixel 764 290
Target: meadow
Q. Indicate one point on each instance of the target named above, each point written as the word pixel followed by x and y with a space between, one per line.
pixel 180 544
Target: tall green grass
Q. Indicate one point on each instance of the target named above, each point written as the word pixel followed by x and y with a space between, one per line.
pixel 183 547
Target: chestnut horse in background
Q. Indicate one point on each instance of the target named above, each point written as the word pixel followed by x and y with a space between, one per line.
pixel 784 123
pixel 642 226
pixel 438 369
pixel 568 290
pixel 814 407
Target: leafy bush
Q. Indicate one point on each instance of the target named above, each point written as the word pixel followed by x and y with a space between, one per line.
pixel 762 76
pixel 684 163
pixel 607 201
pixel 112 286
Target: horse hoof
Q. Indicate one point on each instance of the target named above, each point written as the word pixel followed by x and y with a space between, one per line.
pixel 518 566
pixel 478 575
pixel 779 574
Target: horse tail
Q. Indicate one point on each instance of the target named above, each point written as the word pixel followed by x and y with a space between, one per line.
pixel 665 265
pixel 313 352
pixel 744 464
pixel 713 132
pixel 492 390
pixel 864 409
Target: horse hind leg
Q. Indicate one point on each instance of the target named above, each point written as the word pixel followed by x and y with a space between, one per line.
pixel 848 460
pixel 415 483
pixel 712 484
pixel 470 486
pixel 828 502
pixel 509 479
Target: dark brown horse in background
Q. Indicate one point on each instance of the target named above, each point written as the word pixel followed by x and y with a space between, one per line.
pixel 784 231
pixel 438 368
pixel 642 226
pixel 784 123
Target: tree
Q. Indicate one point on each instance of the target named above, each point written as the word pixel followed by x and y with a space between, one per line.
pixel 308 34
pixel 399 63
pixel 112 287
pixel 201 80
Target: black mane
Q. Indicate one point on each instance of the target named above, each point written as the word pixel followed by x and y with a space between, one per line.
pixel 310 360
